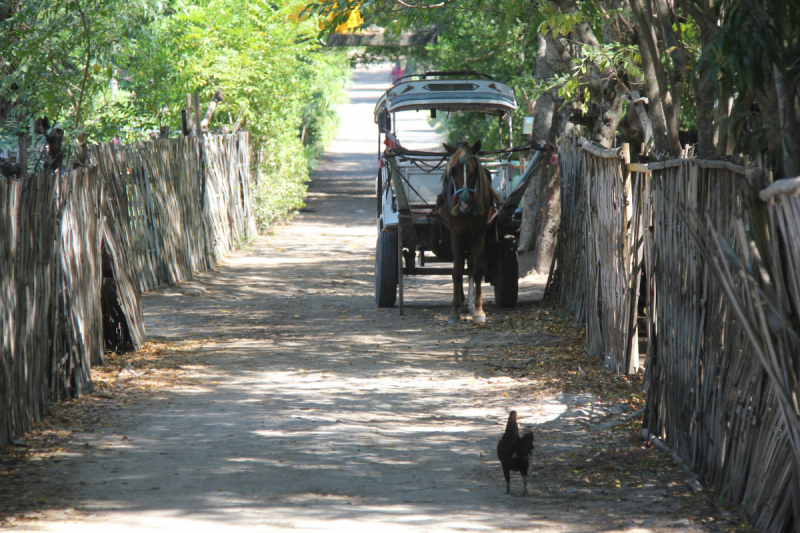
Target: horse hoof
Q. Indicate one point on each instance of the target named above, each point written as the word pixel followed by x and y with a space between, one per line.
pixel 479 319
pixel 453 319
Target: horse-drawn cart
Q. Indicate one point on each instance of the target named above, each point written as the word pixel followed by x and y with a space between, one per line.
pixel 411 230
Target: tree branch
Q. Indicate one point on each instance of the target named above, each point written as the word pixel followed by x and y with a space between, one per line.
pixel 79 110
pixel 655 84
pixel 441 4
pixel 678 77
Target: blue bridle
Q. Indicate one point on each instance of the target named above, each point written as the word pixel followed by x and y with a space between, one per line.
pixel 475 197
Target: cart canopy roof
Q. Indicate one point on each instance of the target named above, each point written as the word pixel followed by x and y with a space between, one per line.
pixel 447 91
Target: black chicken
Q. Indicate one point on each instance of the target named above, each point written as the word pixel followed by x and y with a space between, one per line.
pixel 514 452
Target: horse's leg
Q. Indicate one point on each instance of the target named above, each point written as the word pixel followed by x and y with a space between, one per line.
pixel 458 279
pixel 465 303
pixel 476 273
pixel 470 295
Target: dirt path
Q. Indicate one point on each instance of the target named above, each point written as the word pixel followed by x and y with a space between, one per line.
pixel 300 406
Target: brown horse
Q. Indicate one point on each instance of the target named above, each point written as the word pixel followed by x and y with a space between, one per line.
pixel 466 207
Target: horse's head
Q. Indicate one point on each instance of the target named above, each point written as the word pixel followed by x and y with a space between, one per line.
pixel 463 183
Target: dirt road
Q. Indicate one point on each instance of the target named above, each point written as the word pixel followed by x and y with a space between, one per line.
pixel 301 406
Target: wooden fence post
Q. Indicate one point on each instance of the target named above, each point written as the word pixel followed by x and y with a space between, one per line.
pixel 185 129
pixel 632 348
pixel 400 265
pixel 198 130
pixel 211 107
pixel 189 116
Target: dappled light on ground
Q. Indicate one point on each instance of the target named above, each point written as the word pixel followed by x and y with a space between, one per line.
pixel 275 396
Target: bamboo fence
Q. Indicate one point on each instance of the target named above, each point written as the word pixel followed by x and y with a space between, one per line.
pixel 187 202
pixel 567 280
pixel 722 261
pixel 600 239
pixel 129 183
pixel 164 210
pixel 174 168
pixel 51 323
pixel 723 351
pixel 118 235
pixel 228 191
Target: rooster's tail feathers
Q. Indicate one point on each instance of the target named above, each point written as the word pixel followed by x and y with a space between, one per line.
pixel 526 443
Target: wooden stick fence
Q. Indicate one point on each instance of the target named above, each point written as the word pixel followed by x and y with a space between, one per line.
pixel 600 239
pixel 51 323
pixel 164 210
pixel 130 189
pixel 567 280
pixel 187 200
pixel 722 382
pixel 722 262
pixel 228 192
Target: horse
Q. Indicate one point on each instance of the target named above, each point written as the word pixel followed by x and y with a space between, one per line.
pixel 466 205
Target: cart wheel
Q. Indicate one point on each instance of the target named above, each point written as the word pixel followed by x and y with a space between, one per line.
pixel 386 269
pixel 506 281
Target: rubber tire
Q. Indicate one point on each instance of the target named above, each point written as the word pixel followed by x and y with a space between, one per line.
pixel 386 269
pixel 506 281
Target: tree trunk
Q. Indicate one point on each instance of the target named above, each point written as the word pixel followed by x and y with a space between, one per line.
pixel 606 113
pixel 678 72
pixel 704 95
pixel 788 125
pixel 665 140
pixel 768 103
pixel 541 204
pixel 707 129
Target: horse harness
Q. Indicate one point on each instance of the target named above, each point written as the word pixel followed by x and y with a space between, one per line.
pixel 464 195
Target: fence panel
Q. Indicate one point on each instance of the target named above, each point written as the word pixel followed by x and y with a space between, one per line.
pixel 600 239
pixel 187 202
pixel 131 191
pixel 717 275
pixel 27 295
pixel 148 204
pixel 118 239
pixel 228 191
pixel 567 280
pixel 51 323
pixel 177 208
pixel 79 343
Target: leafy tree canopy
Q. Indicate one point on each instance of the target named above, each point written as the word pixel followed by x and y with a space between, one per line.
pixel 61 58
pixel 683 57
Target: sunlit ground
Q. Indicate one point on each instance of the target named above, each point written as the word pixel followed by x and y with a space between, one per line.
pixel 276 396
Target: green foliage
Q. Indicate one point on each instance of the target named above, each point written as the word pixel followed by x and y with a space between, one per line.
pixel 282 184
pixel 754 39
pixel 502 51
pixel 277 82
pixel 320 121
pixel 558 23
pixel 754 36
pixel 274 78
pixel 57 55
pixel 496 38
pixel 571 85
